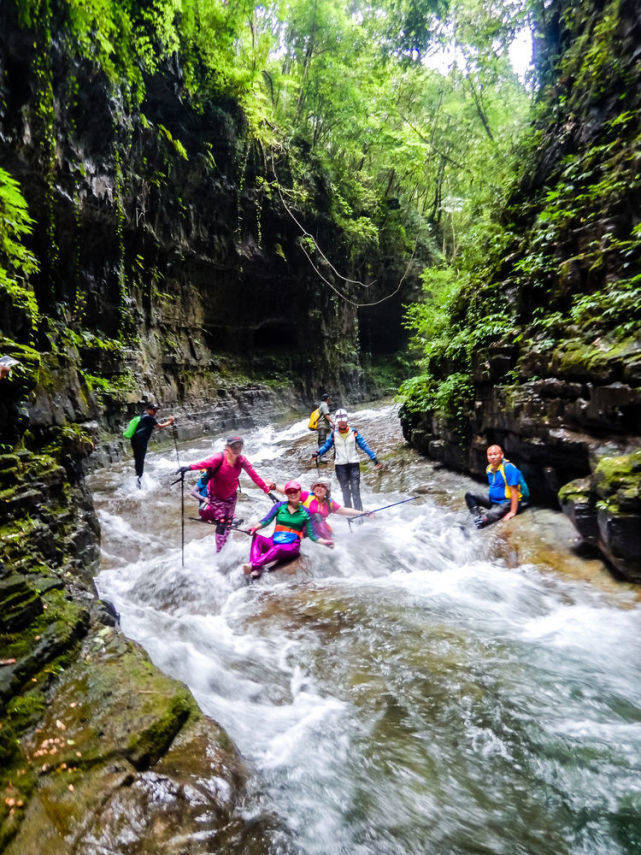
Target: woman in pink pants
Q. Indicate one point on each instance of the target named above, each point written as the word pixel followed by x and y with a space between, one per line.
pixel 293 522
pixel 222 488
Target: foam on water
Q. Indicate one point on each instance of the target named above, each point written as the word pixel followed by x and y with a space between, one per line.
pixel 410 693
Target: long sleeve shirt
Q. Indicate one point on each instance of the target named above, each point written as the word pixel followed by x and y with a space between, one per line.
pixel 224 484
pixel 289 526
pixel 346 446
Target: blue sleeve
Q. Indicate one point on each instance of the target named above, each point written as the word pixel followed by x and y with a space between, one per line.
pixel 362 444
pixel 326 445
pixel 270 514
pixel 511 475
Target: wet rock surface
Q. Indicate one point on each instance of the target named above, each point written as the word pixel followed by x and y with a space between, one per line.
pixel 559 386
pixel 125 762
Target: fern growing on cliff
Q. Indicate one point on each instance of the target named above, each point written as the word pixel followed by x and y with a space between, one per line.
pixel 17 262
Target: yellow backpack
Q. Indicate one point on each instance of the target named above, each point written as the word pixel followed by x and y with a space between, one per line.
pixel 313 420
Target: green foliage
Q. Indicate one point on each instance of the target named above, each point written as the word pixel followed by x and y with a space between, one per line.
pixel 17 262
pixel 451 398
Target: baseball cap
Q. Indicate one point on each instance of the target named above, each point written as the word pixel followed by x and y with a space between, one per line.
pixel 232 440
pixel 340 416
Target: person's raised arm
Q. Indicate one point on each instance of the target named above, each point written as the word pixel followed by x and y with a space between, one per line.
pixel 325 447
pixel 249 469
pixel 368 451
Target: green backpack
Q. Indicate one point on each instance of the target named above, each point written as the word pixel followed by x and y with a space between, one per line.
pixel 130 430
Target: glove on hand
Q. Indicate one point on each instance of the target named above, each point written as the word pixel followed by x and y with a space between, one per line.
pixel 182 469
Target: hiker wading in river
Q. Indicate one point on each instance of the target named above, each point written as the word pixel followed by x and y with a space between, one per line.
pixel 222 486
pixel 140 438
pixel 347 441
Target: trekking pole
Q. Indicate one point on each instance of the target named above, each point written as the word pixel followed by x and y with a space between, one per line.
pixel 393 505
pixel 174 433
pixel 182 515
pixel 273 498
pixel 350 520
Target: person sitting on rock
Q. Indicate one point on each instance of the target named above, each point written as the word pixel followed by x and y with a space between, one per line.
pixel 293 522
pixel 508 492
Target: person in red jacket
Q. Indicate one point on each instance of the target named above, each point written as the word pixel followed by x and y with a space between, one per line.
pixel 222 488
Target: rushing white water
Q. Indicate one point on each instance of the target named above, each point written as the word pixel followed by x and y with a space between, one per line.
pixel 407 692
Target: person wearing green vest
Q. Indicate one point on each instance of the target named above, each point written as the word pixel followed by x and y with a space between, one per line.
pixel 508 493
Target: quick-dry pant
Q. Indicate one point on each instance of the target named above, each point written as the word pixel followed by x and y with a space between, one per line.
pixel 496 510
pixel 264 550
pixel 220 512
pixel 349 477
pixel 139 449
pixel 322 435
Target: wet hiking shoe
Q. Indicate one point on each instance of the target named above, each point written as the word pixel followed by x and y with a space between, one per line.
pixel 481 521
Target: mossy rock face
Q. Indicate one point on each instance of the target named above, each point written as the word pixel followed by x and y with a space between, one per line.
pixel 579 504
pixel 123 760
pixel 617 483
pixel 606 511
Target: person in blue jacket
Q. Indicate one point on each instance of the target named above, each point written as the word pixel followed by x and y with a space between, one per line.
pixel 346 442
pixel 508 493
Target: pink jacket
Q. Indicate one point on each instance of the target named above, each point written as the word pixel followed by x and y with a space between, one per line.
pixel 224 484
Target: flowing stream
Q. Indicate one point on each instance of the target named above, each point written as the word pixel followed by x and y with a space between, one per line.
pixel 422 688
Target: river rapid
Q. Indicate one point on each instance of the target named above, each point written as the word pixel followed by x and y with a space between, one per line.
pixel 421 688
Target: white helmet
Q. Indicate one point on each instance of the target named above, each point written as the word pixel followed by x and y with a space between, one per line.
pixel 340 416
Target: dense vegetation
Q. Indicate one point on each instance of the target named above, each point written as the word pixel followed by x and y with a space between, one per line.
pixel 554 281
pixel 404 112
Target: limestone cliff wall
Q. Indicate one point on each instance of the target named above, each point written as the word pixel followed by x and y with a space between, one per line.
pixel 554 371
pixel 169 268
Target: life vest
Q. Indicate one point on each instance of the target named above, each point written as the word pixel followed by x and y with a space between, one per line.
pixel 313 419
pixel 345 445
pixel 522 487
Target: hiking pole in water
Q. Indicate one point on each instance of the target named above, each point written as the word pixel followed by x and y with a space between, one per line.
pixel 182 513
pixel 393 505
pixel 350 520
pixel 174 433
